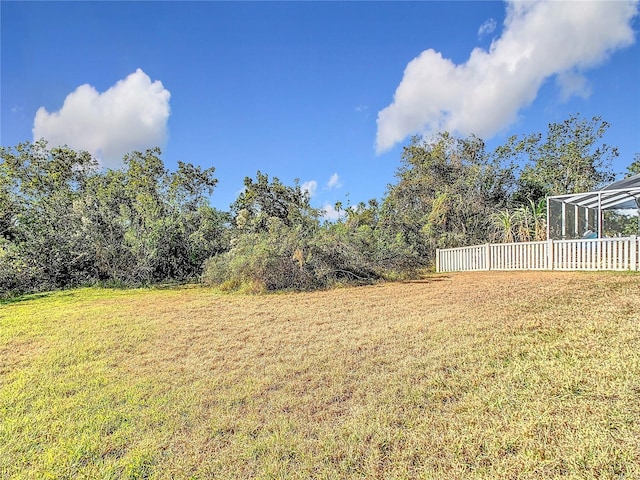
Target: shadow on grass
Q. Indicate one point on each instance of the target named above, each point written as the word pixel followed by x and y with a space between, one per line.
pixel 25 298
pixel 429 279
pixel 9 298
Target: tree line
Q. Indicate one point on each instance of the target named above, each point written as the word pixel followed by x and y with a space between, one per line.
pixel 64 222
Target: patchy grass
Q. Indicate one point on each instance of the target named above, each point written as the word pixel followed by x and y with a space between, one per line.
pixel 484 375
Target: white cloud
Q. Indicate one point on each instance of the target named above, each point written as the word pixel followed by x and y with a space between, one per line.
pixel 487 28
pixel 482 96
pixel 131 115
pixel 330 212
pixel 310 187
pixel 573 83
pixel 334 182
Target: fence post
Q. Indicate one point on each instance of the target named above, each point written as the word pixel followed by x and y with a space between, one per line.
pixel 487 256
pixel 437 260
pixel 549 265
pixel 633 253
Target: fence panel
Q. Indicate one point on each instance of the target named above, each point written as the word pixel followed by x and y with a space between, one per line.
pixel 579 254
pixel 518 256
pixel 595 254
pixel 462 259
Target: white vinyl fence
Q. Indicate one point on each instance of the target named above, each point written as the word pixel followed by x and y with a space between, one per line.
pixel 581 254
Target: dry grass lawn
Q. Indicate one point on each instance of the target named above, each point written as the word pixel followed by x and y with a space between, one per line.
pixel 481 375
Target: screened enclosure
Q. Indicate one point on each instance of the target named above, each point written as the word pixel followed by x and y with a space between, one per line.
pixel 609 212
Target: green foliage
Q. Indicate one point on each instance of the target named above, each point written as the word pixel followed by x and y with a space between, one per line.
pixel 526 223
pixel 617 223
pixel 41 226
pixel 64 223
pixel 283 258
pixel 364 241
pixel 571 158
pixel 634 168
pixel 278 243
pixel 503 223
pixel 16 276
pixel 262 200
pixel 446 191
pixel 343 254
pixel 271 259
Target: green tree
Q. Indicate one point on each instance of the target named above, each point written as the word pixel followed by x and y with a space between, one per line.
pixel 570 158
pixel 447 189
pixel 634 168
pixel 63 222
pixel 41 225
pixel 263 199
pixel 150 224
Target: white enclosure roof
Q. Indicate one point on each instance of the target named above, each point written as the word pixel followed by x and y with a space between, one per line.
pixel 618 195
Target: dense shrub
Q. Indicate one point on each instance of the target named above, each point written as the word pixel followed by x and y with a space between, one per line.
pixel 16 276
pixel 284 257
pixel 271 259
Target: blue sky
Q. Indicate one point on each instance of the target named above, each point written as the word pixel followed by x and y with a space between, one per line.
pixel 326 92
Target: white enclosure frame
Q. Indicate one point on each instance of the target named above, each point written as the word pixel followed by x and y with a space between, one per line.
pixel 623 194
